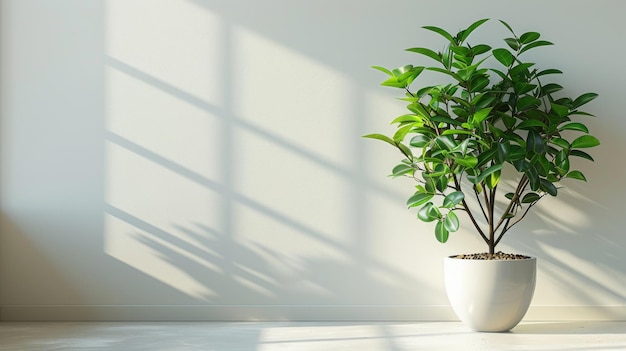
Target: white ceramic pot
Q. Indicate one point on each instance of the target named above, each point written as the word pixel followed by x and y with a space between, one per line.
pixel 490 295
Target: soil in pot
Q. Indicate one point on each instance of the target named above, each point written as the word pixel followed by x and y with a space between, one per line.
pixel 487 256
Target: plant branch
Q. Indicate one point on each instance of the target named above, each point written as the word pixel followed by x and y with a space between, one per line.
pixel 491 213
pixel 409 92
pixel 479 202
pixel 507 227
pixel 469 213
pixel 518 192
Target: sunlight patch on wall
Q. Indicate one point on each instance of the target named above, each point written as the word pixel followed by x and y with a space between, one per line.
pixel 154 193
pixel 163 147
pixel 291 95
pixel 232 162
pixel 166 124
pixel 564 278
pixel 174 41
pixel 149 212
pixel 560 214
pixel 290 188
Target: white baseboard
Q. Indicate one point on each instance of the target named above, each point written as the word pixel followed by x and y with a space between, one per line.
pixel 385 313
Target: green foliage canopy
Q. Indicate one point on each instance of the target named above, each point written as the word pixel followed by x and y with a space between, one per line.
pixel 457 137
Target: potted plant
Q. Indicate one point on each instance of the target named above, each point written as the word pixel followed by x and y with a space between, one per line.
pixel 487 144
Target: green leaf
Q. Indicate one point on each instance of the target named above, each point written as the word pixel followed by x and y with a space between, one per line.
pixel 560 110
pixel 430 186
pixel 533 178
pixel 462 147
pixel 576 175
pixel 439 171
pixel 401 70
pixel 499 73
pixel 446 57
pixel 520 69
pixel 401 133
pixel 530 198
pixel 480 49
pixel 530 123
pixel 516 152
pixel 486 156
pixel 585 141
pixel 444 119
pixel 445 71
pixel 453 199
pixel 529 37
pixel 407 119
pixel 503 152
pixel 548 187
pixel 507 26
pixel 541 164
pixel 584 98
pixel 410 75
pixel 521 165
pixel 419 109
pixel 467 161
pixel 534 45
pixel 457 131
pixel 551 88
pixel 405 150
pixel 583 113
pixel 426 52
pixel 441 32
pixel 549 71
pixel 451 222
pixel 481 115
pixel 466 73
pixel 478 179
pixel 383 69
pixel 428 213
pixel 562 143
pixel 419 141
pixel 534 142
pixel 419 199
pixel 527 102
pixel 574 126
pixel 445 142
pixel 560 157
pixel 461 50
pixel 394 83
pixel 465 34
pixel 441 232
pixel 493 179
pixel 522 88
pixel 478 83
pixel 381 137
pixel 442 183
pixel 582 154
pixel 401 170
pixel 563 166
pixel 504 56
pixel 512 43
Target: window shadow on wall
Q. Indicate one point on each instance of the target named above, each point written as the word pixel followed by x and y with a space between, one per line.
pixel 288 259
pixel 256 248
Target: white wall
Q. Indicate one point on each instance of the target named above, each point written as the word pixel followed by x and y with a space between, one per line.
pixel 202 159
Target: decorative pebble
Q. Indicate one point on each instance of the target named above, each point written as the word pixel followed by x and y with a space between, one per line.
pixel 487 256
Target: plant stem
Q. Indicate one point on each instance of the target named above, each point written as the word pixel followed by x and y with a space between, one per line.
pixel 469 212
pixel 492 209
pixel 518 192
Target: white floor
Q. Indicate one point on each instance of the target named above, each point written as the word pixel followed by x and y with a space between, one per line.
pixel 154 336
